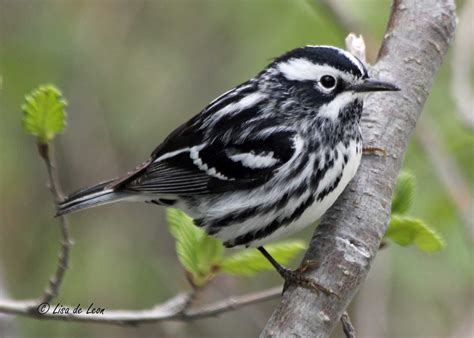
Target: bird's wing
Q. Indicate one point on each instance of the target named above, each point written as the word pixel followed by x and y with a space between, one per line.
pixel 225 147
pixel 212 167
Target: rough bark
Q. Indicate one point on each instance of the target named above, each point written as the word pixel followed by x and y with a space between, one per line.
pixel 348 238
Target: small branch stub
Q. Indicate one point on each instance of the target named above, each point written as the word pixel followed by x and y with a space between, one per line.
pixel 356 46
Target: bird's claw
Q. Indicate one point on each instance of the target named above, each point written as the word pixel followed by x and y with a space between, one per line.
pixel 308 264
pixel 369 150
pixel 297 278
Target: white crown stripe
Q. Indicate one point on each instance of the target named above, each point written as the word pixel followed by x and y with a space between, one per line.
pixel 348 55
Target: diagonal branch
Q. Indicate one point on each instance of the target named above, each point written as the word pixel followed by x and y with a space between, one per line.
pixel 347 240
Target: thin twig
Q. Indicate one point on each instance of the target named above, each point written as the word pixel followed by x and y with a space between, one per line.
pixel 57 278
pixel 347 326
pixel 172 309
pixel 463 49
pixel 234 303
pixel 176 308
pixel 448 172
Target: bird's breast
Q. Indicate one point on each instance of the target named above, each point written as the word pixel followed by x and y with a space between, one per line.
pixel 333 182
pixel 330 173
pixel 292 201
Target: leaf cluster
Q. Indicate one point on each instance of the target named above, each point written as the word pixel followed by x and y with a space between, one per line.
pixel 405 230
pixel 203 256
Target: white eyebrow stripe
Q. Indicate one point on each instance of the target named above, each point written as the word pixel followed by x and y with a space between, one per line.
pixel 301 69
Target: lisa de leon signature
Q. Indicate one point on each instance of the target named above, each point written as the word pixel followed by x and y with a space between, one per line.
pixel 64 310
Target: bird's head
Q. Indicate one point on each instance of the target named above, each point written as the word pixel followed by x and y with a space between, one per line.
pixel 323 78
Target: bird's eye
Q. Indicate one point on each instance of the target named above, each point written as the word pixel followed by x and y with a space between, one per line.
pixel 328 82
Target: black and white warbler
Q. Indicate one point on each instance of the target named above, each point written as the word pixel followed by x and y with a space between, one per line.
pixel 263 160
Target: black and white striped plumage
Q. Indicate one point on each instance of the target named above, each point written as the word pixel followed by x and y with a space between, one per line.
pixel 263 160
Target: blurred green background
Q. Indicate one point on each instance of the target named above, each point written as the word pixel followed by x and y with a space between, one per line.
pixel 134 70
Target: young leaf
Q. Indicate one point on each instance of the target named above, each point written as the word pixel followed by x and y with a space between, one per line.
pixel 404 190
pixel 406 231
pixel 209 254
pixel 428 239
pixel 43 113
pixel 198 253
pixel 187 239
pixel 402 230
pixel 251 261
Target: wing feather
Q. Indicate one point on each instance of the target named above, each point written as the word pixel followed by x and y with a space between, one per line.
pixel 216 167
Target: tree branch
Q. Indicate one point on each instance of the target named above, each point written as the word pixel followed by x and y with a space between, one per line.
pixel 57 278
pixel 175 308
pixel 347 240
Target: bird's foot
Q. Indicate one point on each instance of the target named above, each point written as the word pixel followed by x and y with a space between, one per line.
pixel 369 150
pixel 297 278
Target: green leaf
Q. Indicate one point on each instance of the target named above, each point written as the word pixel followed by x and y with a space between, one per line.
pixel 250 261
pixel 429 240
pixel 198 253
pixel 209 255
pixel 187 239
pixel 406 231
pixel 404 191
pixel 402 230
pixel 43 113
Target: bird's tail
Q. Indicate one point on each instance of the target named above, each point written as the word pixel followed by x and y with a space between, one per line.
pixel 90 197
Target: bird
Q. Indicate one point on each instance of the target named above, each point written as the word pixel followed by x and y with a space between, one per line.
pixel 263 160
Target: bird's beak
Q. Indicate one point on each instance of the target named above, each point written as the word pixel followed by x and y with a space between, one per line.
pixel 370 85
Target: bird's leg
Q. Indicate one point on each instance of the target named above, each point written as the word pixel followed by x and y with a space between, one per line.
pixel 369 150
pixel 296 277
